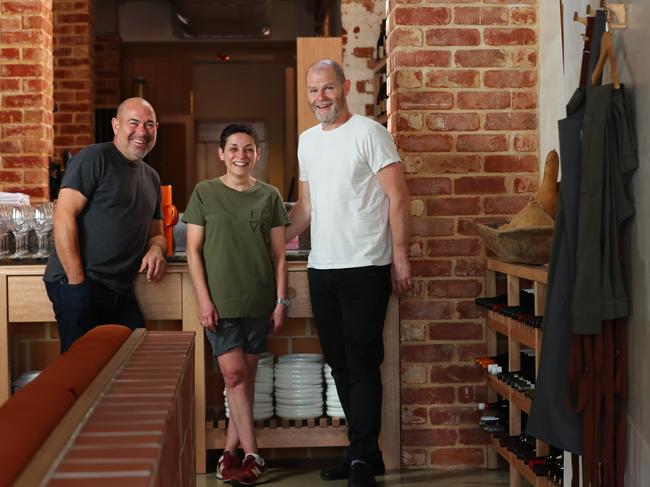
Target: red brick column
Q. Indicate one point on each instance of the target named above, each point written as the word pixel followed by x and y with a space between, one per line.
pixel 107 70
pixel 463 110
pixel 74 86
pixel 25 96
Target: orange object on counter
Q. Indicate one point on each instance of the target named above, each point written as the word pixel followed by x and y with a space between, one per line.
pixel 170 216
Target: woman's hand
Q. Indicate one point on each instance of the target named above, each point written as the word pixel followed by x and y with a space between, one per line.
pixel 277 318
pixel 208 315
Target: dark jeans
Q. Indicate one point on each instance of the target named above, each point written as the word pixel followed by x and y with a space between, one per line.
pixel 349 307
pixel 80 307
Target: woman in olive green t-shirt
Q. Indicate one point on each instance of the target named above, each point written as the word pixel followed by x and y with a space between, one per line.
pixel 236 257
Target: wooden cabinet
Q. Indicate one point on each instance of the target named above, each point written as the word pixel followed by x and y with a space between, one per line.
pixel 518 335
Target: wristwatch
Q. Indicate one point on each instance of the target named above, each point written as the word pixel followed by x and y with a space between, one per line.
pixel 284 301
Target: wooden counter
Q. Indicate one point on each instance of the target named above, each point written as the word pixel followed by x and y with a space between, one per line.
pixel 23 300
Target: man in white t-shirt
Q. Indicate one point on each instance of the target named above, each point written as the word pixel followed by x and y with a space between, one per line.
pixel 354 194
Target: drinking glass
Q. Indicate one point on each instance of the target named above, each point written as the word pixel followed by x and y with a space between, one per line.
pixel 42 226
pixel 22 221
pixel 5 228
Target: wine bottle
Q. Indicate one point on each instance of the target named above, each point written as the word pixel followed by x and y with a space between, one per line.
pixel 381 41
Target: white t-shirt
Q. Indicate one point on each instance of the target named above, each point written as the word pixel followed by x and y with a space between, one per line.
pixel 349 209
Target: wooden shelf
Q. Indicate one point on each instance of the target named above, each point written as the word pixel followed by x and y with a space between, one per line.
pixel 497 322
pixel 382 119
pixel 522 334
pixel 518 334
pixel 537 273
pixel 521 467
pixel 285 433
pixel 507 392
pixel 525 334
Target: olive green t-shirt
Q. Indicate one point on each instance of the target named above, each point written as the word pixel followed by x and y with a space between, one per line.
pixel 236 250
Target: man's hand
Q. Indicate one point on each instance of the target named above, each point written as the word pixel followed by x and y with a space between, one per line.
pixel 401 275
pixel 154 263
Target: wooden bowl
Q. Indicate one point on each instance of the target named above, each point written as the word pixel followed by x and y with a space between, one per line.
pixel 519 245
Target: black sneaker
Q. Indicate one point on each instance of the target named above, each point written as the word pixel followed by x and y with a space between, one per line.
pixel 341 470
pixel 338 472
pixel 361 475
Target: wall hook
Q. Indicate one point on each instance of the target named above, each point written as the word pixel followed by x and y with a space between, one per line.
pixel 616 15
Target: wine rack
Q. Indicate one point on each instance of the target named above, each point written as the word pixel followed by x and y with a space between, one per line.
pixel 521 331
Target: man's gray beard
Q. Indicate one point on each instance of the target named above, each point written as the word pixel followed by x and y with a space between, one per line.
pixel 330 117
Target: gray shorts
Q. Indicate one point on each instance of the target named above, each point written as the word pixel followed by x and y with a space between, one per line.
pixel 247 333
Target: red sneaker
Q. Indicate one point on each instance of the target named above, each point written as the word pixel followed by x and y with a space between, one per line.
pixel 252 470
pixel 227 466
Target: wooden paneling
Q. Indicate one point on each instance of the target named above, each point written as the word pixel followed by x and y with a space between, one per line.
pixel 173 156
pixel 167 80
pixel 29 301
pixel 308 51
pixel 160 300
pixel 298 292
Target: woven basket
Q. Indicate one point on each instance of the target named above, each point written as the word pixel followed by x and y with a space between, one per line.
pixel 520 245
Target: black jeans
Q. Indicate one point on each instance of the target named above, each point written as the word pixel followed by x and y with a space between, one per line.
pixel 349 307
pixel 80 307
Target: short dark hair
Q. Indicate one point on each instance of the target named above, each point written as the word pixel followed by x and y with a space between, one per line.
pixel 236 128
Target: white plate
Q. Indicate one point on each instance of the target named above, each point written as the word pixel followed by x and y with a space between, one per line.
pixel 298 389
pixel 291 377
pixel 265 357
pixel 298 366
pixel 292 414
pixel 264 388
pixel 305 357
pixel 297 395
pixel 299 386
pixel 333 404
pixel 298 375
pixel 300 401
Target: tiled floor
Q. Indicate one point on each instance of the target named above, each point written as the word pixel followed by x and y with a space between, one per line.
pixel 411 478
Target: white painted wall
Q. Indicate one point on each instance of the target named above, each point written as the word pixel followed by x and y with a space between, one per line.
pixel 361 20
pixel 634 65
pixel 556 87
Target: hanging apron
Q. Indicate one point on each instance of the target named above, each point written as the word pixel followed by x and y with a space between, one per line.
pixel 553 417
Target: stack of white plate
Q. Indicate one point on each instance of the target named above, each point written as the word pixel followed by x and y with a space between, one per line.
pixel 299 386
pixel 332 400
pixel 263 405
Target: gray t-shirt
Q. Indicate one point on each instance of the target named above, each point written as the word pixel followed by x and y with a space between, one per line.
pixel 123 199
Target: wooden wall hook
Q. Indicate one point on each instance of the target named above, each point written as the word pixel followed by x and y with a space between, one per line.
pixel 577 18
pixel 616 15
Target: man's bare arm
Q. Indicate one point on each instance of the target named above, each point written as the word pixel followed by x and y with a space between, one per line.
pixel 154 262
pixel 300 213
pixel 393 183
pixel 66 233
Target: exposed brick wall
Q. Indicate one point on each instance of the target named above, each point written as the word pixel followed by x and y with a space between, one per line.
pixel 360 20
pixel 74 90
pixel 463 110
pixel 26 96
pixel 107 70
